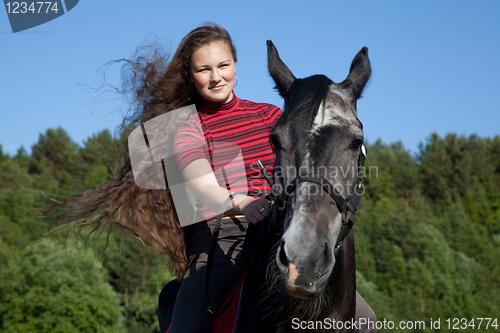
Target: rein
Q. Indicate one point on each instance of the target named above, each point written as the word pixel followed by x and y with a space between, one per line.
pixel 213 245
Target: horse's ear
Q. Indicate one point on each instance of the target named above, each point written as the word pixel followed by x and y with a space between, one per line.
pixel 358 74
pixel 280 73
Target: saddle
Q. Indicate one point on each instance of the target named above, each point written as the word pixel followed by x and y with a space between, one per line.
pixel 227 322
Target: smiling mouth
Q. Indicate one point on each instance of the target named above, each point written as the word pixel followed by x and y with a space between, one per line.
pixel 216 88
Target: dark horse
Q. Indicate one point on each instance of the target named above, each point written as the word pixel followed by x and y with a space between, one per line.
pixel 303 274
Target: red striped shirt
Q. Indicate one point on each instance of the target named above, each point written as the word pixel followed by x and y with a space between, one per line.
pixel 232 137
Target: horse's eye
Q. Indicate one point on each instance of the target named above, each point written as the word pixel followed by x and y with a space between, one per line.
pixel 356 144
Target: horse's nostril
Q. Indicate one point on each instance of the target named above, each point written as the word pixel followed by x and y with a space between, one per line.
pixel 326 249
pixel 283 256
pixel 317 272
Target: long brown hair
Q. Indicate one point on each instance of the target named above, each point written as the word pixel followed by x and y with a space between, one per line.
pixel 156 86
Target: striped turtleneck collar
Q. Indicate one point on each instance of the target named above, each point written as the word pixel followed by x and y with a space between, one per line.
pixel 212 107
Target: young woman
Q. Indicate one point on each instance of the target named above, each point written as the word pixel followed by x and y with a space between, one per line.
pixel 201 72
pixel 241 128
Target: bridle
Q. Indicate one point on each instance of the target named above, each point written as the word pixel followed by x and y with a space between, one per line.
pixel 347 208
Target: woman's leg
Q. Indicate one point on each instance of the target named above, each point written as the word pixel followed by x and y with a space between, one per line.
pixel 190 310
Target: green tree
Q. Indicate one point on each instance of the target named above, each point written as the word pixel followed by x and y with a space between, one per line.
pixel 13 176
pixel 391 170
pixel 138 274
pixel 98 155
pixel 55 288
pixel 131 265
pixel 141 312
pixel 3 157
pixel 99 149
pixel 57 148
pixel 55 154
pixel 22 158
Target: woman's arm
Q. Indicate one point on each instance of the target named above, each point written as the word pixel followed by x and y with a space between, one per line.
pixel 200 178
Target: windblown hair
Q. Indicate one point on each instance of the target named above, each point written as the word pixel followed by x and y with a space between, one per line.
pixel 156 85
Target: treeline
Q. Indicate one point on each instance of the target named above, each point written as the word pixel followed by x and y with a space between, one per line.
pixel 61 284
pixel 428 233
pixel 427 239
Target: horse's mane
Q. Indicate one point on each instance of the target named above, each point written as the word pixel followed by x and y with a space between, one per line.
pixel 305 95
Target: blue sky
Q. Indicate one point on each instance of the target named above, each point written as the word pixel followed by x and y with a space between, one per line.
pixel 435 64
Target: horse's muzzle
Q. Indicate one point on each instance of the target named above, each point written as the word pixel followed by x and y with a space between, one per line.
pixel 305 273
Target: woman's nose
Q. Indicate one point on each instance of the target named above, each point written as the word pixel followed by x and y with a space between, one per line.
pixel 215 75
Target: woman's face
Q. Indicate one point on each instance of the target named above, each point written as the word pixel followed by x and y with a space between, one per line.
pixel 212 71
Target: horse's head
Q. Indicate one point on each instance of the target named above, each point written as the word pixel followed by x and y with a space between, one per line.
pixel 319 137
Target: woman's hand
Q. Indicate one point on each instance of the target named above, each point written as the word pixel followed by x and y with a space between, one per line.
pixel 202 181
pixel 255 209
